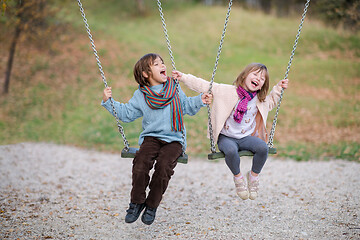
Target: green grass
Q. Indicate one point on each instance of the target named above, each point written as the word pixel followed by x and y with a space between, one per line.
pixel 56 98
pixel 304 152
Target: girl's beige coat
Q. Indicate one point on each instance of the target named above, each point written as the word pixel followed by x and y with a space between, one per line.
pixel 224 101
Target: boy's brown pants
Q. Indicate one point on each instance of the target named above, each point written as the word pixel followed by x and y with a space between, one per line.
pixel 166 155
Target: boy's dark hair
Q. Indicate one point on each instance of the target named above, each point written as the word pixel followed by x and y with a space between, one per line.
pixel 143 65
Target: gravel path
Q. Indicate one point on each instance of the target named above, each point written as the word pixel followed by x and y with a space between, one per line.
pixel 59 192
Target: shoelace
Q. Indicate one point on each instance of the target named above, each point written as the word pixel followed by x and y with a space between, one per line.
pixel 240 184
pixel 253 186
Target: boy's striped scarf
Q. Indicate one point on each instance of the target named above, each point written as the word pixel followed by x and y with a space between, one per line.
pixel 167 95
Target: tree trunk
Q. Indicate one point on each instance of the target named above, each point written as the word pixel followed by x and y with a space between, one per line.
pixel 13 48
pixel 283 7
pixel 140 7
pixel 11 59
pixel 265 6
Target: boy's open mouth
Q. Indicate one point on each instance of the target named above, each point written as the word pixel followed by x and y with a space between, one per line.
pixel 163 73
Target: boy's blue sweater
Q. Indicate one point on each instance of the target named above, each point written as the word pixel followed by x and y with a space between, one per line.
pixel 156 122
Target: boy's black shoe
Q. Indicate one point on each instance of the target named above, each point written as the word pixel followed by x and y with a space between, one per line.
pixel 133 212
pixel 148 216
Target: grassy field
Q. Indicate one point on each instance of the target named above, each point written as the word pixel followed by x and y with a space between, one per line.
pixel 55 93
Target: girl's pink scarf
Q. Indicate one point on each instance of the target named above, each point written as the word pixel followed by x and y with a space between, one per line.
pixel 241 108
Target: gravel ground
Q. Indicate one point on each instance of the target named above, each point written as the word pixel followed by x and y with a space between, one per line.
pixel 59 192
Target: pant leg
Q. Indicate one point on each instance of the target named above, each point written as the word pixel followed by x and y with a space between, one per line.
pixel 259 148
pixel 164 169
pixel 142 164
pixel 230 148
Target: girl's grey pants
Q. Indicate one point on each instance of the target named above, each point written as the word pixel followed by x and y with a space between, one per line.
pixel 230 147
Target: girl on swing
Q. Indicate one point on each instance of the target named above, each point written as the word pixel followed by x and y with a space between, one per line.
pixel 238 117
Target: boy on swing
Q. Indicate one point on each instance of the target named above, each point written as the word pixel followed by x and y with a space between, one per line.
pixel 162 105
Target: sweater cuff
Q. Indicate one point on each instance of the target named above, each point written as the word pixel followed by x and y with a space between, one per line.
pixel 201 102
pixel 104 104
pixel 277 88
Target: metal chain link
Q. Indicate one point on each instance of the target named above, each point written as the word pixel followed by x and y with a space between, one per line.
pixel 166 34
pixel 172 63
pixel 272 131
pixel 212 142
pixel 213 149
pixel 121 129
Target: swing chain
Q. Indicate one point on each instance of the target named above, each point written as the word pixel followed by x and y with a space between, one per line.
pixel 121 129
pixel 166 35
pixel 212 142
pixel 172 63
pixel 272 131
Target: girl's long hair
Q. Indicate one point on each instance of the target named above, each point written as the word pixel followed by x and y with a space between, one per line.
pixel 258 67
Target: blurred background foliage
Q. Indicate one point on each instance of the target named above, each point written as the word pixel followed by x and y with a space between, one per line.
pixel 51 88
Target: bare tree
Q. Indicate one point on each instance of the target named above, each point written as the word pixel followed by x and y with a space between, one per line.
pixel 15 39
pixel 30 18
pixel 340 12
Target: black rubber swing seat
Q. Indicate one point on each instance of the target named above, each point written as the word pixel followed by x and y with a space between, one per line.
pixel 130 153
pixel 216 155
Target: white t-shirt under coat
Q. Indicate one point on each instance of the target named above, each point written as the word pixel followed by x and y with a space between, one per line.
pixel 246 127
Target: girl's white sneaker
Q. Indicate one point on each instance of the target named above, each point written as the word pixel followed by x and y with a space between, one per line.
pixel 253 186
pixel 241 188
